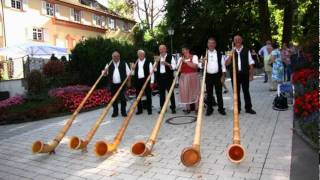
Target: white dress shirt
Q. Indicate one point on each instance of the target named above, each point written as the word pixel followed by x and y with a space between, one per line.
pixel 141 70
pixel 163 67
pixel 195 60
pixel 116 79
pixel 250 60
pixel 264 51
pixel 213 65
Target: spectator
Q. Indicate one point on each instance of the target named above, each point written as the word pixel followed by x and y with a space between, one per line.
pixel 277 67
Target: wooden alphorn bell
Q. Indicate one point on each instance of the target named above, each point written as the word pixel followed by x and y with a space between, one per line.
pixel 40 147
pixel 235 152
pixel 103 148
pixel 191 156
pixel 141 148
pixel 77 143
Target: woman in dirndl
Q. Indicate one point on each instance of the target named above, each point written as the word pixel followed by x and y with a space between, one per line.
pixel 189 83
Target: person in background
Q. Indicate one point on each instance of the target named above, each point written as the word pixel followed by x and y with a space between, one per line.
pixel 116 73
pixel 189 84
pixel 277 67
pixel 263 52
pixel 285 56
pixel 268 65
pixel 140 73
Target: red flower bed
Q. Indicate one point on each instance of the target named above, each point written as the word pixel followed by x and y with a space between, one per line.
pixel 304 75
pixel 306 90
pixel 307 104
pixel 72 99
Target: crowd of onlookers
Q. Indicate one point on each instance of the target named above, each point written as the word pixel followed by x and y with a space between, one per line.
pixel 277 62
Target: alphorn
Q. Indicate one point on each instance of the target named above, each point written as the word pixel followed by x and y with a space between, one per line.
pixel 141 148
pixel 77 143
pixel 40 147
pixel 191 156
pixel 235 152
pixel 103 148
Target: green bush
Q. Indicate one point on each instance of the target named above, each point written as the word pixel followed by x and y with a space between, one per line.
pixel 89 57
pixel 36 82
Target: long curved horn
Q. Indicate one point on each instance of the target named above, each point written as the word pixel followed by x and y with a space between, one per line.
pixel 235 152
pixel 141 148
pixel 77 143
pixel 40 147
pixel 191 156
pixel 102 147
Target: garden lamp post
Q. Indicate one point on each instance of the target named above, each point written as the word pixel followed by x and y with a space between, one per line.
pixel 171 33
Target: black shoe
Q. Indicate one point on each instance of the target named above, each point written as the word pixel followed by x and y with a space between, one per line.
pixel 114 114
pixel 225 91
pixel 209 112
pixel 173 111
pixel 251 111
pixel 265 81
pixel 138 112
pixel 222 111
pixel 149 112
pixel 124 114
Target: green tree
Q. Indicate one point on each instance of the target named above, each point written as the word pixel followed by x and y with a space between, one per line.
pixel 122 7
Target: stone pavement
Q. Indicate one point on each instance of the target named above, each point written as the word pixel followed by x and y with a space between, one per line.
pixel 266 136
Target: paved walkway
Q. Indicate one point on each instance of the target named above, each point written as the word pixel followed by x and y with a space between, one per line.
pixel 266 136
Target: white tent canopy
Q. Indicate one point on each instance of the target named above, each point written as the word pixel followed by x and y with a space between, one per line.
pixel 33 49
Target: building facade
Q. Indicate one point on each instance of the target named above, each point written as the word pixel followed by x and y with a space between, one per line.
pixel 59 22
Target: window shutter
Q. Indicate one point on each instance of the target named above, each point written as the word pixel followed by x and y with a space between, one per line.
pixel 94 19
pixel 57 10
pixel 29 33
pixel 103 19
pixel 8 3
pixel 71 14
pixel 45 35
pixel 25 5
pixel 44 7
pixel 82 20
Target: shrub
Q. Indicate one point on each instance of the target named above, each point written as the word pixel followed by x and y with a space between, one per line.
pixel 53 68
pixel 89 57
pixel 36 82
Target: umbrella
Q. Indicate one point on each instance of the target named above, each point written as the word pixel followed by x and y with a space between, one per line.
pixel 33 49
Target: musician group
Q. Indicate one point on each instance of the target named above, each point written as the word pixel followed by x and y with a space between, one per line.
pixel 189 82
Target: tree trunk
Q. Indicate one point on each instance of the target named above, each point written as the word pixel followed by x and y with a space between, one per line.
pixel 265 21
pixel 287 21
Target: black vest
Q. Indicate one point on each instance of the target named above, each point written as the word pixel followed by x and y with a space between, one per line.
pixel 219 55
pixel 146 69
pixel 122 71
pixel 244 61
pixel 169 71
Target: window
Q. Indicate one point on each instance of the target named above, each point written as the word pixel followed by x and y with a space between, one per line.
pixel 17 4
pixel 49 9
pixel 37 34
pixel 77 15
pixel 112 24
pixel 98 20
pixel 126 26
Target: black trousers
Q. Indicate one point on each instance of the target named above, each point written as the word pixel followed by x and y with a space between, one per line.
pixel 114 89
pixel 214 80
pixel 164 84
pixel 138 85
pixel 243 82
